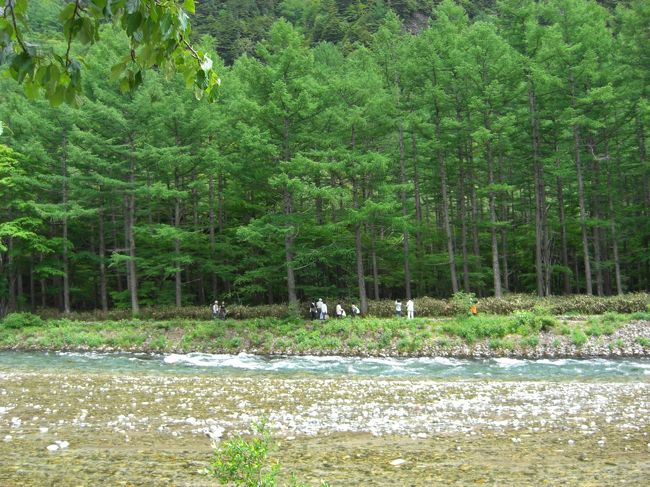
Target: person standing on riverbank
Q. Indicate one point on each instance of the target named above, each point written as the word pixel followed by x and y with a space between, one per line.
pixel 410 309
pixel 398 308
pixel 319 308
pixel 323 311
pixel 313 311
pixel 215 310
pixel 354 311
pixel 339 310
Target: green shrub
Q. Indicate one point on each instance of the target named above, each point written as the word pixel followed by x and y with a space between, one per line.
pixel 644 342
pixel 354 342
pixel 499 343
pixel 233 343
pixel 462 302
pixel 160 343
pixel 529 322
pixel 332 343
pixel 243 462
pixel 618 343
pixel 21 320
pixel 530 341
pixel 578 338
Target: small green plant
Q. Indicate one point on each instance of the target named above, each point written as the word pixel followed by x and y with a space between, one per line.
pixel 244 462
pixel 354 342
pixel 578 338
pixel 644 342
pixel 160 343
pixel 618 343
pixel 530 341
pixel 499 343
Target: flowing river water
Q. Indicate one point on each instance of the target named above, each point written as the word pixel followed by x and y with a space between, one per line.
pixel 140 419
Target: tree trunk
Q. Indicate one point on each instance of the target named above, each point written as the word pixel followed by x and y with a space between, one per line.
pixel 420 284
pixel 496 270
pixel 289 237
pixel 538 181
pixel 358 251
pixel 462 214
pixel 211 230
pixel 32 287
pixel 103 293
pixel 612 229
pixel 178 280
pixel 447 223
pixel 66 270
pixel 581 199
pixel 132 271
pixel 563 231
pixel 405 233
pixel 375 268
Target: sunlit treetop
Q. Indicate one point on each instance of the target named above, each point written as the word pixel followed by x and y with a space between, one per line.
pixel 158 33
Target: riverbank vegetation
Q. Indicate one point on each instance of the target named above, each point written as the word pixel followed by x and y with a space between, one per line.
pixel 522 332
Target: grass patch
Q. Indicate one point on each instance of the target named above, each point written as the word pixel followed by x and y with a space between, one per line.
pixel 578 338
pixel 530 341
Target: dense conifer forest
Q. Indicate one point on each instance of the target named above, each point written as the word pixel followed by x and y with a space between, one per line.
pixel 372 150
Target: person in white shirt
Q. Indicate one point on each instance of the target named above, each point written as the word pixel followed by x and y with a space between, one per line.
pixel 398 308
pixel 410 309
pixel 323 311
pixel 339 310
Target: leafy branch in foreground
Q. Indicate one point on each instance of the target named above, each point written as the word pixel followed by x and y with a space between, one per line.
pixel 244 461
pixel 158 32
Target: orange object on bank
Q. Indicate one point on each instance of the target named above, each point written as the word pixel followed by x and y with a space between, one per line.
pixel 473 310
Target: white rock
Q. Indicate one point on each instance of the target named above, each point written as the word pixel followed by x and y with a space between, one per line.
pixel 62 444
pixel 7 438
pixel 397 462
pixel 53 447
pixel 43 429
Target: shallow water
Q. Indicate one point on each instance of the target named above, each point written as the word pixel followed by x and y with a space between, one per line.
pixel 596 369
pixel 147 419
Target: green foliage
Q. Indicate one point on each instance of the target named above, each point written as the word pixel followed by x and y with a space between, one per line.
pixel 644 342
pixel 244 461
pixel 157 33
pixel 463 301
pixel 501 344
pixel 578 337
pixel 21 320
pixel 527 322
pixel 529 341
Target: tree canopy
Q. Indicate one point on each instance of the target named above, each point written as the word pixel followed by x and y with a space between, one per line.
pixel 493 151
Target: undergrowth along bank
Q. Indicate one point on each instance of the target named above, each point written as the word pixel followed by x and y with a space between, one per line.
pixel 523 330
pixel 424 307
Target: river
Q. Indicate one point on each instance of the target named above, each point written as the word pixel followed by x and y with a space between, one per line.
pixel 143 419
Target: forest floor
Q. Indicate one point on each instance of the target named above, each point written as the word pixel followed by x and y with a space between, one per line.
pixel 519 336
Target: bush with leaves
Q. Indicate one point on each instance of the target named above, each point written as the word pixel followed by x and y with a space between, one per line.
pixel 21 320
pixel 244 462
